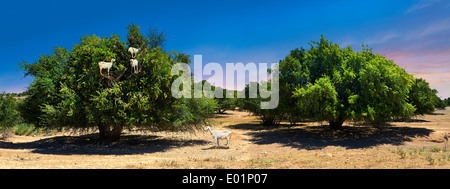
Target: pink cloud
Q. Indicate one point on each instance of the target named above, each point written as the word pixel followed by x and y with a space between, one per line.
pixel 433 66
pixel 417 61
pixel 439 81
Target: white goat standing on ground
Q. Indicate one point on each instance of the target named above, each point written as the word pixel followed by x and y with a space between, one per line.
pixel 133 51
pixel 105 65
pixel 134 64
pixel 216 134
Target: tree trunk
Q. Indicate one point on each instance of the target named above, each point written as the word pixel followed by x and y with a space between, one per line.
pixel 109 135
pixel 336 124
pixel 115 133
pixel 103 132
pixel 267 121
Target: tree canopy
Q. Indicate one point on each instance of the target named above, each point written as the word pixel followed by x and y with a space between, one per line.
pixel 329 83
pixel 68 90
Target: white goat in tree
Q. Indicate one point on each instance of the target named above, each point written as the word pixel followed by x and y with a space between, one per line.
pixel 133 51
pixel 105 65
pixel 219 134
pixel 134 64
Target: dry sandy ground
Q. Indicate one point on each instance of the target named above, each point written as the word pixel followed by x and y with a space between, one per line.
pixel 417 143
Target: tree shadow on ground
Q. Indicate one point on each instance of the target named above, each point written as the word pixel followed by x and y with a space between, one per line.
pixel 436 113
pixel 90 145
pixel 256 126
pixel 319 137
pixel 216 148
pixel 410 120
pixel 222 115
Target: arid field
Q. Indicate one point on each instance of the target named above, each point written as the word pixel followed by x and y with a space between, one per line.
pixel 416 143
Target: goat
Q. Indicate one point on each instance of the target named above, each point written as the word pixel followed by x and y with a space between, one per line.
pixel 105 65
pixel 134 64
pixel 217 134
pixel 133 51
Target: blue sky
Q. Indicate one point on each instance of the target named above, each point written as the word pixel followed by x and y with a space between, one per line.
pixel 413 33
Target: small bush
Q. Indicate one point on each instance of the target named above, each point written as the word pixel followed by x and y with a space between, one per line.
pixel 25 129
pixel 430 159
pixel 400 152
pixel 435 149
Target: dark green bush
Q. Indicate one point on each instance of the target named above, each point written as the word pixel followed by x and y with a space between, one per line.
pixel 9 116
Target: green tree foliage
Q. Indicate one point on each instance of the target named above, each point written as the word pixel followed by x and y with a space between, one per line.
pixel 156 38
pixel 424 98
pixel 9 116
pixel 69 91
pixel 438 102
pixel 293 74
pixel 447 101
pixel 224 103
pixel 334 84
pixel 269 117
pixel 329 83
pixel 318 100
pixel 47 71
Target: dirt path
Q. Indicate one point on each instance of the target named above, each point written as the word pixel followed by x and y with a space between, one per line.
pixel 417 143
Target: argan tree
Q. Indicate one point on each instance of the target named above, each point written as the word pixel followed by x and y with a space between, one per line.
pixel 69 90
pixel 329 83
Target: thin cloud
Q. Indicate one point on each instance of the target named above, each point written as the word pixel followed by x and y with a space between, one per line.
pixel 421 5
pixel 436 27
pixel 381 39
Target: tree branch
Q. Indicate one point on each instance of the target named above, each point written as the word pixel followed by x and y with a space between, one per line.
pixel 116 79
